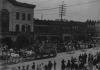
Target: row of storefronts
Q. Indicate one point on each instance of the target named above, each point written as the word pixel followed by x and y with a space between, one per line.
pixel 66 30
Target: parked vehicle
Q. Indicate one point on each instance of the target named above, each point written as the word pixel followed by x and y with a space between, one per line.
pixel 47 50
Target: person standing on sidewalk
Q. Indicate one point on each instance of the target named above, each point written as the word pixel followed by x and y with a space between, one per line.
pixel 23 68
pixel 63 65
pixel 27 67
pixel 50 65
pixel 54 65
pixel 19 67
pixel 33 66
pixel 45 67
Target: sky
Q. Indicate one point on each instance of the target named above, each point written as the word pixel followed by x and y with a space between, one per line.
pixel 79 10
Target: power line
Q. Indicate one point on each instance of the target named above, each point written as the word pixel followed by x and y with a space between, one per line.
pixel 42 14
pixel 47 14
pixel 47 9
pixel 79 4
pixel 62 9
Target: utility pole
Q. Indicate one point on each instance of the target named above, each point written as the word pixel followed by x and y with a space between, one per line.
pixel 62 10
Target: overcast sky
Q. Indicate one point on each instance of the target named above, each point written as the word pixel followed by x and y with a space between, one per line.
pixel 91 10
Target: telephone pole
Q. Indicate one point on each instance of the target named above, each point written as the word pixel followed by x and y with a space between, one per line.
pixel 62 10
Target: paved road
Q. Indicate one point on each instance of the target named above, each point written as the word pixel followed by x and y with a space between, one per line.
pixel 58 59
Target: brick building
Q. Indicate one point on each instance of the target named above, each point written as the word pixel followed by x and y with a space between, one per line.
pixel 66 30
pixel 15 17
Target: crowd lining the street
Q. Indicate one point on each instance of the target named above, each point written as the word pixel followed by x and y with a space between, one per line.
pixel 85 61
pixel 70 46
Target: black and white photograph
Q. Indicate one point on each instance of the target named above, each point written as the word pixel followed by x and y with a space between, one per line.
pixel 49 34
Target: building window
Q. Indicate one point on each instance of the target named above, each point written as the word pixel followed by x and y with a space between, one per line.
pixel 23 16
pixel 73 27
pixel 29 16
pixel 29 28
pixel 23 28
pixel 17 28
pixel 4 21
pixel 17 15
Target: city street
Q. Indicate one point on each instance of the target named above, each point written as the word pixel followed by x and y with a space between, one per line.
pixel 49 35
pixel 58 59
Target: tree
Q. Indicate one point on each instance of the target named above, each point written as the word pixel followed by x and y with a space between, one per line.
pixel 7 41
pixel 23 41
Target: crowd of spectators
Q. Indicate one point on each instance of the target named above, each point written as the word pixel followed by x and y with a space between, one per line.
pixel 15 56
pixel 84 61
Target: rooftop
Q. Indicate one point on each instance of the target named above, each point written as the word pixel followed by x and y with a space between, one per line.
pixel 16 3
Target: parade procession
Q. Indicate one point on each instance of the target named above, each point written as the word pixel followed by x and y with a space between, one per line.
pixel 49 35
